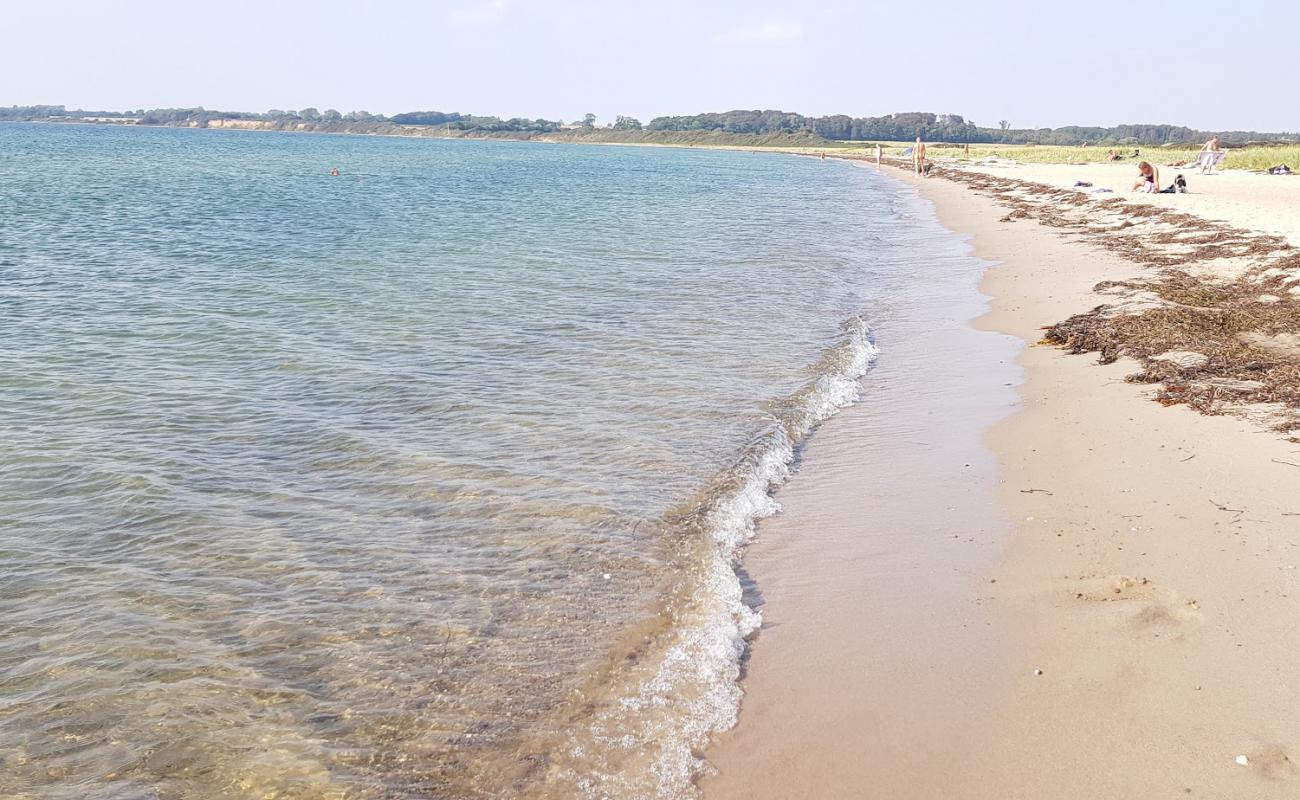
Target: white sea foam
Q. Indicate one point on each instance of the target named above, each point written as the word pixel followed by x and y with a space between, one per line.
pixel 420 446
pixel 694 692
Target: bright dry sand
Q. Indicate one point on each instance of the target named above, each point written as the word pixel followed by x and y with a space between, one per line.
pixel 1145 559
pixel 1265 203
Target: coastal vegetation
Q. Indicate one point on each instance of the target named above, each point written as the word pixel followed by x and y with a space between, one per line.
pixel 1253 157
pixel 624 130
pixel 949 128
pixel 307 119
pixel 469 122
pixel 739 127
pixel 782 139
pixel 1257 157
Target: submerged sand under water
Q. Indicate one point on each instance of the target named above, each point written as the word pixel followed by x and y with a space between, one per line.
pixel 423 480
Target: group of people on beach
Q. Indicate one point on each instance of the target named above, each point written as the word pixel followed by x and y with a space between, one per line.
pixel 1148 179
pixel 918 157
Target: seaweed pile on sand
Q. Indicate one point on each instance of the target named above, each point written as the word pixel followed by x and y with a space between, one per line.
pixel 1214 346
pixel 1214 322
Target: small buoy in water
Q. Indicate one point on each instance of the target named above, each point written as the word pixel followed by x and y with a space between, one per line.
pixel 1243 761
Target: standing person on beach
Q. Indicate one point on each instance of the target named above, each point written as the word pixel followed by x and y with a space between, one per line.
pixel 1210 155
pixel 918 156
pixel 879 152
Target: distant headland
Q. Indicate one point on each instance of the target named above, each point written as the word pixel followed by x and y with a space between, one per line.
pixel 739 127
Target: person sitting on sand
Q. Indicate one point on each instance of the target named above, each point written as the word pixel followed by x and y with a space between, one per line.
pixel 1148 178
pixel 1111 155
pixel 1210 155
pixel 918 156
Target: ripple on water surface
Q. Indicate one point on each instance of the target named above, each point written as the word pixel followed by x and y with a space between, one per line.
pixel 419 481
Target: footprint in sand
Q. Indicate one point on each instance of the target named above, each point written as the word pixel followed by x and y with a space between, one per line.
pixel 1162 612
pixel 1113 588
pixel 1161 617
pixel 1272 762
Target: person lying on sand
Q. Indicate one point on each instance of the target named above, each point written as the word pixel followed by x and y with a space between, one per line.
pixel 1148 178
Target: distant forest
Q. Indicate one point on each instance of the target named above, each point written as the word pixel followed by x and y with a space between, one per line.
pixel 276 119
pixel 734 125
pixel 948 128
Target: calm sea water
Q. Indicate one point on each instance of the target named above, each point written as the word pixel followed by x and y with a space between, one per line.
pixel 426 480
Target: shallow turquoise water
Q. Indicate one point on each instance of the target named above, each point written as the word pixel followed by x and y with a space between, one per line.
pixel 389 484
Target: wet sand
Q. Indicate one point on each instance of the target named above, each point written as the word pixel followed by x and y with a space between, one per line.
pixel 1105 603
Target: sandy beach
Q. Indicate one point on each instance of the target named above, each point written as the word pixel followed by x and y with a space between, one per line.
pixel 1082 594
pixel 1265 203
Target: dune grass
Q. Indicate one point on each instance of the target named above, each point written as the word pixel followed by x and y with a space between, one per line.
pixel 1257 158
pixel 1249 158
pixel 1252 158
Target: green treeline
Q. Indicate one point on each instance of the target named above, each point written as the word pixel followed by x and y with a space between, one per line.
pixel 469 122
pixel 183 116
pixel 944 128
pixel 734 126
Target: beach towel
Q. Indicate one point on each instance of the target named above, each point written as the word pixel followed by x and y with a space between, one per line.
pixel 1210 158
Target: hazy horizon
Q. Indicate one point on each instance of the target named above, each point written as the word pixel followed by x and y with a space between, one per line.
pixel 1033 66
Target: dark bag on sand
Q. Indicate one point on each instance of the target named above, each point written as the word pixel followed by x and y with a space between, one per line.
pixel 1280 169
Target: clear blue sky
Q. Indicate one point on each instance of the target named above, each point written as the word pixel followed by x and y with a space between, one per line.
pixel 1209 65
